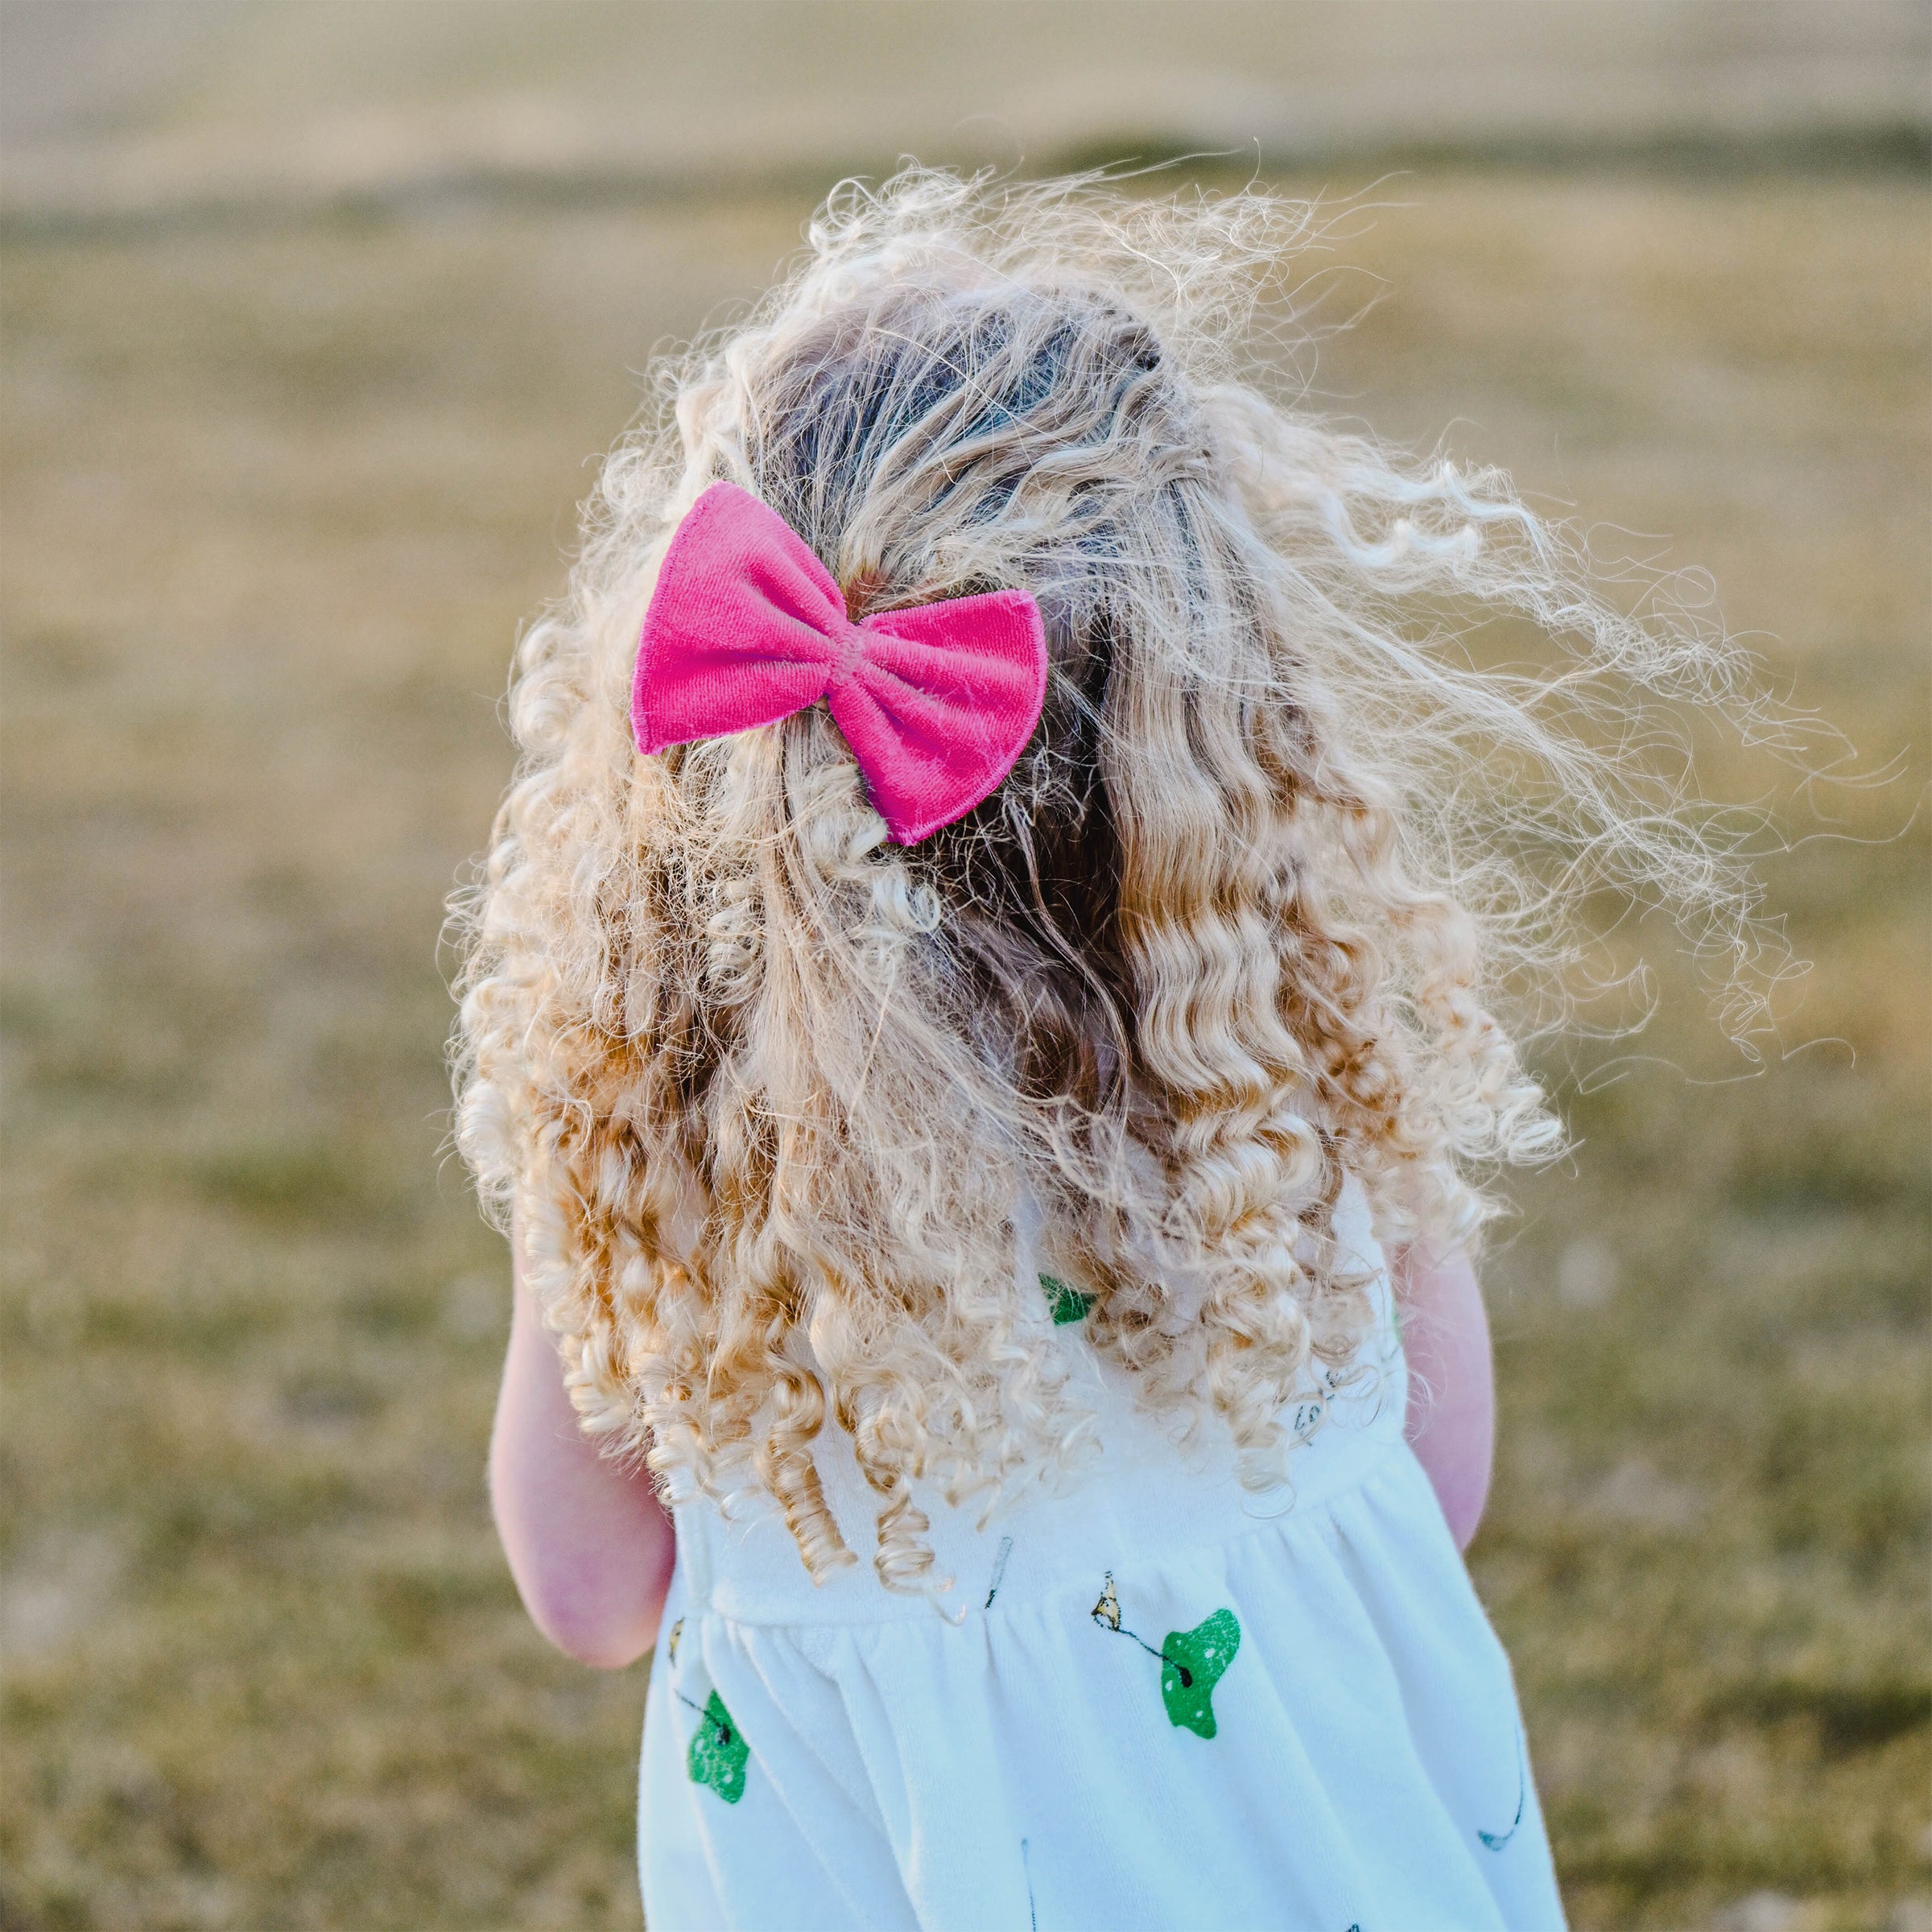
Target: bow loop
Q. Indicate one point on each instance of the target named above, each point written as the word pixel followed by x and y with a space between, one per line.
pixel 746 626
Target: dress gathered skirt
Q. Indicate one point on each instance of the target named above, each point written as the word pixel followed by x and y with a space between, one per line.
pixel 1166 1703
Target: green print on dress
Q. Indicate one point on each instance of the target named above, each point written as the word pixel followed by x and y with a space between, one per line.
pixel 1063 1304
pixel 718 1752
pixel 1192 1661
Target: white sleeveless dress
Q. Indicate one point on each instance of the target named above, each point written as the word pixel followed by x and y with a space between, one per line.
pixel 1171 1704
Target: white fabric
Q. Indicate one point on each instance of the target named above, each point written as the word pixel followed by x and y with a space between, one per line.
pixel 1019 1770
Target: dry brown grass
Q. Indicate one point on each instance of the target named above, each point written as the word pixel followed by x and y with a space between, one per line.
pixel 275 502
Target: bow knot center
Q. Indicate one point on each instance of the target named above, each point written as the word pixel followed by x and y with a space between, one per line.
pixel 852 647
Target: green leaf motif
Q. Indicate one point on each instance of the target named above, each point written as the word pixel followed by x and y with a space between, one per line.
pixel 1065 1304
pixel 718 1752
pixel 1192 1662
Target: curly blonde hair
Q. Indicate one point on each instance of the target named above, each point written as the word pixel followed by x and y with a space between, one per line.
pixel 770 1097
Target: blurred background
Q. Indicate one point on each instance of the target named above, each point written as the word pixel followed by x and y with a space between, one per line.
pixel 315 317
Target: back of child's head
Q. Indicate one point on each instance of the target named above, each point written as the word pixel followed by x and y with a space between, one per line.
pixel 791 1115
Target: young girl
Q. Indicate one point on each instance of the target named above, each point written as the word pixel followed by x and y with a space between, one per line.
pixel 982 1013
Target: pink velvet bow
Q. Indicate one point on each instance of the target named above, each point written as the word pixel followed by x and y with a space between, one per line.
pixel 746 626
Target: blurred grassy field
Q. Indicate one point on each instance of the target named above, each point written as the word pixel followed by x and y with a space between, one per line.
pixel 275 500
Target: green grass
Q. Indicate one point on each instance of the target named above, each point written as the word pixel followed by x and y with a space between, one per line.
pixel 275 505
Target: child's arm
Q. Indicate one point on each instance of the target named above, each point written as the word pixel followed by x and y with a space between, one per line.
pixel 588 1544
pixel 1452 1383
